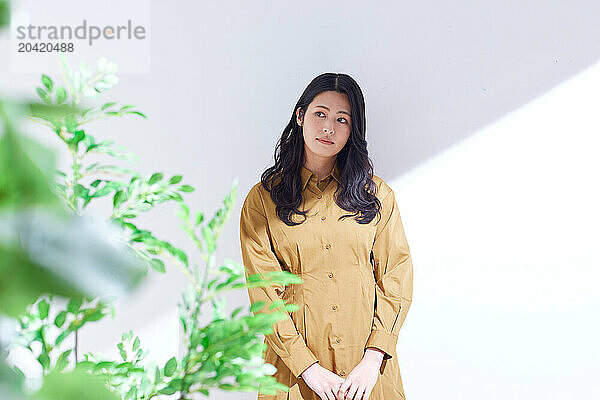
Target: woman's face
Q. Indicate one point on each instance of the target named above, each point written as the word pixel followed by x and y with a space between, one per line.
pixel 328 118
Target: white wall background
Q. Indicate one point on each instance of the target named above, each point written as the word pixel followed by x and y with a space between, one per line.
pixel 484 117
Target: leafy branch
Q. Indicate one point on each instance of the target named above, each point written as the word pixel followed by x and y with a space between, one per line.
pixel 227 352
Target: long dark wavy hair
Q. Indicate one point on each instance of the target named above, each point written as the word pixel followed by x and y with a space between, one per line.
pixel 356 192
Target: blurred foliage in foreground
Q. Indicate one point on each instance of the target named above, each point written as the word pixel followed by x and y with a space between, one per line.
pixel 226 353
pixel 47 250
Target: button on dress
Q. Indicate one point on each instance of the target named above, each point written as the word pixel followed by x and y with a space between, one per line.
pixel 356 291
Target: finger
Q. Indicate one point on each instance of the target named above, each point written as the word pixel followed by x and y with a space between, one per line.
pixel 345 392
pixel 329 394
pixel 361 393
pixel 344 386
pixel 336 390
pixel 343 395
pixel 352 393
pixel 358 394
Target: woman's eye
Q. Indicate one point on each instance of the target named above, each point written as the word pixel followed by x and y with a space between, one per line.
pixel 344 120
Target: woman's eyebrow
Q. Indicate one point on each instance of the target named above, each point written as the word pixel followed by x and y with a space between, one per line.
pixel 340 112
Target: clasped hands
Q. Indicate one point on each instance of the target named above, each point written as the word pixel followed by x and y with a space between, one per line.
pixel 358 385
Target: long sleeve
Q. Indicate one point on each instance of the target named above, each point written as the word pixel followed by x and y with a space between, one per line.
pixel 259 258
pixel 394 278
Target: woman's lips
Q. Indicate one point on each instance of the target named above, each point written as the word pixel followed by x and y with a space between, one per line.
pixel 324 141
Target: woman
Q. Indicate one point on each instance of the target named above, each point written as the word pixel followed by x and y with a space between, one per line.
pixel 322 214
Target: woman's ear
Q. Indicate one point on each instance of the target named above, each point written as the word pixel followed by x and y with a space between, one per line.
pixel 299 116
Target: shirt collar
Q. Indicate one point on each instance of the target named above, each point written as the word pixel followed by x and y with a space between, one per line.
pixel 305 173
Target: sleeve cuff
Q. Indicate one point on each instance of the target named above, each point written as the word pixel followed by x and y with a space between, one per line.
pixel 299 360
pixel 383 341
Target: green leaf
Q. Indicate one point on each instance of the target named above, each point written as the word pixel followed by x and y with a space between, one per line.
pixel 43 308
pixel 60 319
pixel 175 179
pixel 63 360
pixel 62 336
pixel 71 122
pixel 104 365
pixel 61 95
pixel 236 312
pixel 180 254
pixel 136 112
pixel 48 83
pixel 186 211
pixel 170 367
pixel 89 141
pixel 176 383
pixel 44 360
pixel 175 196
pixel 80 190
pixel 43 94
pixel 74 305
pixel 157 265
pixel 167 390
pixel 103 191
pixel 257 306
pixel 276 304
pixel 86 111
pixel 155 178
pixel 212 283
pixel 107 105
pixel 186 188
pixel 136 344
pixel 119 198
pixel 199 218
pixel 95 315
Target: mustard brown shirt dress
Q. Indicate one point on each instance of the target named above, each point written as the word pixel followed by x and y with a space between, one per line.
pixel 356 291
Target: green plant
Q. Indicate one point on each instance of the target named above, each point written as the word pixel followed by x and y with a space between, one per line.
pixel 30 216
pixel 226 353
pixel 35 230
pixel 87 181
